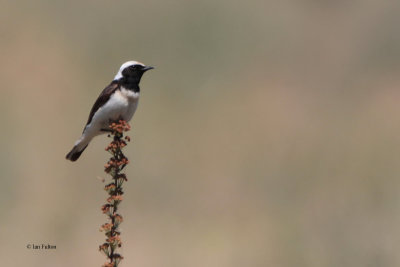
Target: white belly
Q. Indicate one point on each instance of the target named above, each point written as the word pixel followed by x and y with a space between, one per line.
pixel 122 104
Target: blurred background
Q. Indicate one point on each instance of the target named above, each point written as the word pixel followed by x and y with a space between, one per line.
pixel 267 135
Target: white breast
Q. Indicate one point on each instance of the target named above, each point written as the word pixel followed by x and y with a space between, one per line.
pixel 131 95
pixel 122 104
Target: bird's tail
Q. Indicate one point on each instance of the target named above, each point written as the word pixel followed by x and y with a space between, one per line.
pixel 76 152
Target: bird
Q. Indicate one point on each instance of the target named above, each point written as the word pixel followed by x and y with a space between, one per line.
pixel 119 100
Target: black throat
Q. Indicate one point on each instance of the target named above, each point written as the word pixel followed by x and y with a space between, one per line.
pixel 130 83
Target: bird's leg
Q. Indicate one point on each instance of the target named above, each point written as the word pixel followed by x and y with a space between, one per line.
pixel 110 121
pixel 109 130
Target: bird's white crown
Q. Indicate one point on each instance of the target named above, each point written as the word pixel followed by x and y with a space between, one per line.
pixel 123 66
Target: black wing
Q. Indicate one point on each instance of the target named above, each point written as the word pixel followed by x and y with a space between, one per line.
pixel 102 99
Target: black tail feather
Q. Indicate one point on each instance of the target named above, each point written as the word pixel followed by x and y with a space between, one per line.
pixel 73 155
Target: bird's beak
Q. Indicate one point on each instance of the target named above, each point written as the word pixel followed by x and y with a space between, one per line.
pixel 147 68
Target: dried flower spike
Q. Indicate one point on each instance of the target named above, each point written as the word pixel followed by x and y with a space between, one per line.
pixel 113 167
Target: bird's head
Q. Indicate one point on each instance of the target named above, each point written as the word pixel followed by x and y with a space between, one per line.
pixel 132 71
